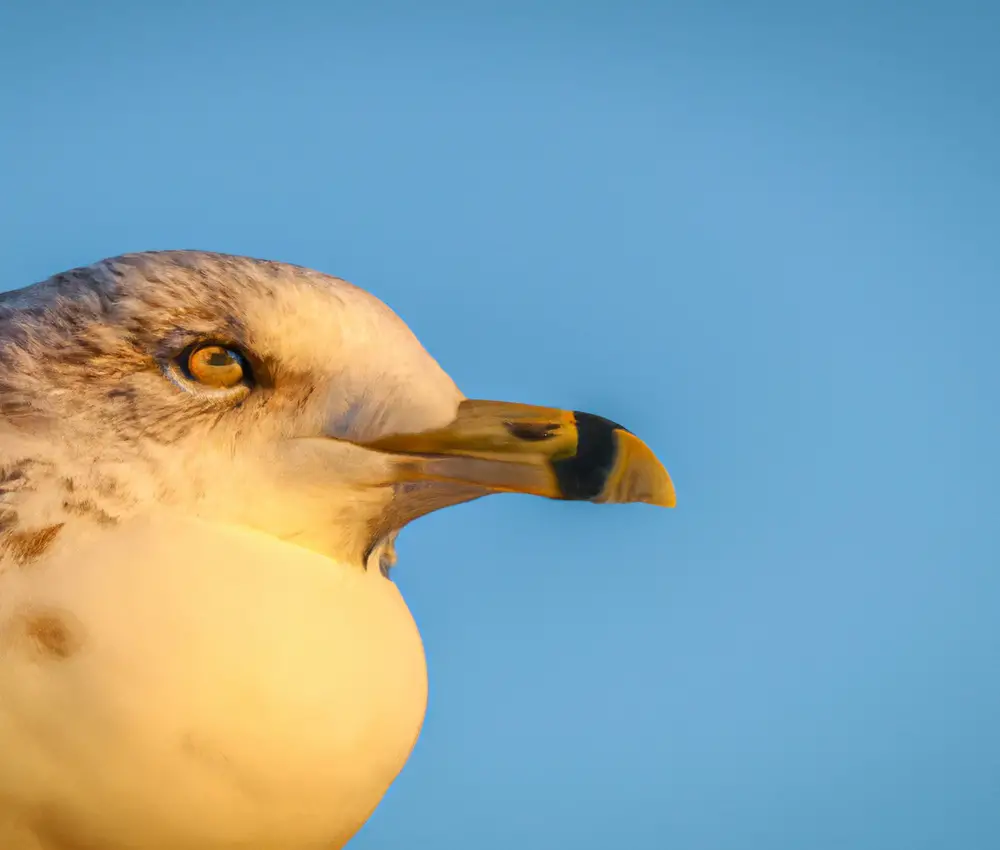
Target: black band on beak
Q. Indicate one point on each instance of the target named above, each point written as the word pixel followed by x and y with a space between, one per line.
pixel 582 477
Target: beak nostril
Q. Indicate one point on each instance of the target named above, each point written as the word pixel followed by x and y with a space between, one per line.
pixel 532 432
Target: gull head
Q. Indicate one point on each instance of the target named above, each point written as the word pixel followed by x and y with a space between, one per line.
pixel 268 396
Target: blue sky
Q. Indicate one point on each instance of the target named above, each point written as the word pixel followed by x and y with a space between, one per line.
pixel 764 236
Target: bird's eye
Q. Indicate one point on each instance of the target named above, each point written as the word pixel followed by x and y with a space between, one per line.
pixel 216 366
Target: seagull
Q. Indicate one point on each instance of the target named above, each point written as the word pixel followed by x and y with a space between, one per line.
pixel 205 460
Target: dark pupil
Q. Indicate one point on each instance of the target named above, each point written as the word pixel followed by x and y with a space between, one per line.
pixel 219 358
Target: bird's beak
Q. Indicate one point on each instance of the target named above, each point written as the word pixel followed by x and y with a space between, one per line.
pixel 519 448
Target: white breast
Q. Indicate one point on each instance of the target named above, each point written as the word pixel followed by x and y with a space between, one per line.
pixel 170 684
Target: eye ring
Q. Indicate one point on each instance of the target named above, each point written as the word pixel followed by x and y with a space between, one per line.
pixel 215 366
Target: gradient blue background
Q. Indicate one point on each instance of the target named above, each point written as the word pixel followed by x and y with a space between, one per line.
pixel 765 236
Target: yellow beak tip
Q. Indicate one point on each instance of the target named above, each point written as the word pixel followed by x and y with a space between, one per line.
pixel 661 488
pixel 668 500
pixel 638 475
